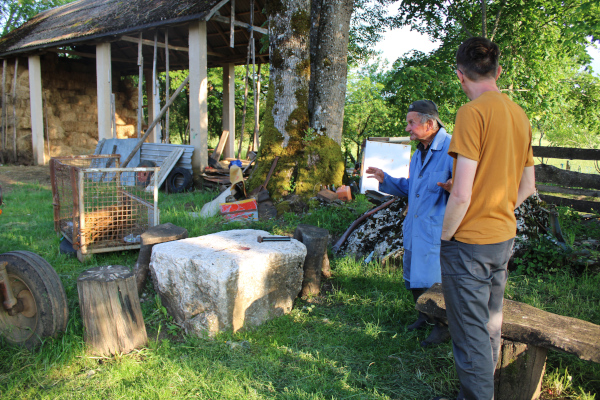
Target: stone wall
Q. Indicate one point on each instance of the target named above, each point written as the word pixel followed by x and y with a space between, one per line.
pixel 70 107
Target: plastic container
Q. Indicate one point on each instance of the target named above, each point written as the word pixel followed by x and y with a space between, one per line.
pixel 343 193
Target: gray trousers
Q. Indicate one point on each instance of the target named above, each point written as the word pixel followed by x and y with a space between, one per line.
pixel 473 279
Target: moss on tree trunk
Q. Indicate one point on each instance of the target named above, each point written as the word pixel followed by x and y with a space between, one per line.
pixel 307 159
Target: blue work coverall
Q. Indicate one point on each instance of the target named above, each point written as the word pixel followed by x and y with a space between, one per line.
pixel 426 206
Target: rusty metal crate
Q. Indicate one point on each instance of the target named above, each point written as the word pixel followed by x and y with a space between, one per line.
pixel 100 207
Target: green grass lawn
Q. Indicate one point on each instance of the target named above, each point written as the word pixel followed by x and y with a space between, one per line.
pixel 350 343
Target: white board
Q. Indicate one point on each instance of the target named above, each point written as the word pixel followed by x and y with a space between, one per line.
pixel 393 158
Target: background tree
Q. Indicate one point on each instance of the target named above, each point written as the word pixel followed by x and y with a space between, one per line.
pixel 308 52
pixel 13 13
pixel 544 60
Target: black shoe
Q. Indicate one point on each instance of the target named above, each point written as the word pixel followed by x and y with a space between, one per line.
pixel 420 323
pixel 440 398
pixel 439 334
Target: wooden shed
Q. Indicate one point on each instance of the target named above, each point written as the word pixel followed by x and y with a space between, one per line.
pixel 68 56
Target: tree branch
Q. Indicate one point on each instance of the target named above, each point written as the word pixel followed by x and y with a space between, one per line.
pixel 497 20
pixel 462 21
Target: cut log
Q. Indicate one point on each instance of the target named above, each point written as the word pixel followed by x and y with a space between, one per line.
pixel 157 234
pixel 315 240
pixel 110 309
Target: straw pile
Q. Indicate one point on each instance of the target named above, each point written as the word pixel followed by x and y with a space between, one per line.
pixel 109 223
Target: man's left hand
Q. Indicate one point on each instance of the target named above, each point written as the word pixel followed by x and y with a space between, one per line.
pixel 446 185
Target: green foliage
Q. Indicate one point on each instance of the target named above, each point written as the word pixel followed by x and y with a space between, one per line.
pixel 367 111
pixel 543 256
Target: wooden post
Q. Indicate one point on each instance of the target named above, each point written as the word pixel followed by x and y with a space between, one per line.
pixel 520 371
pixel 160 114
pixel 104 89
pixel 140 81
pixel 47 123
pixel 255 143
pixel 113 118
pixel 157 234
pixel 166 138
pixel 14 101
pixel 35 101
pixel 110 309
pixel 232 26
pixel 155 93
pixel 198 95
pixel 315 239
pixel 239 153
pixel 4 113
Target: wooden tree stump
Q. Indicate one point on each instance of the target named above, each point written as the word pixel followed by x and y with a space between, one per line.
pixel 110 309
pixel 315 240
pixel 520 371
pixel 154 235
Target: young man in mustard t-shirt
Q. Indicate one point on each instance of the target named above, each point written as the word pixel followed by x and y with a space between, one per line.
pixel 493 173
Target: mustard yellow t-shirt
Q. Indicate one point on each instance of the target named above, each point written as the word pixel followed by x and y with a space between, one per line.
pixel 495 132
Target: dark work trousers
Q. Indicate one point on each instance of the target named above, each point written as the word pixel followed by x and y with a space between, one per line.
pixel 473 279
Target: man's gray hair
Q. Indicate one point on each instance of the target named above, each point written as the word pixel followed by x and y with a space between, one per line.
pixel 427 117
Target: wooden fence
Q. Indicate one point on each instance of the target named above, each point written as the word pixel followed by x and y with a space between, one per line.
pixel 568 180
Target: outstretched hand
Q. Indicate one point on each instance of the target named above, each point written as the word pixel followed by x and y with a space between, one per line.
pixel 376 173
pixel 446 185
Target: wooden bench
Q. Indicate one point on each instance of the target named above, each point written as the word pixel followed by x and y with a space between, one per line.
pixel 527 334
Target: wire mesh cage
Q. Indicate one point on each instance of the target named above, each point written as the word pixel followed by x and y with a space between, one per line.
pixel 99 207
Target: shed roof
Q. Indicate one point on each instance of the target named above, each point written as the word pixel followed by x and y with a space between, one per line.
pixel 77 27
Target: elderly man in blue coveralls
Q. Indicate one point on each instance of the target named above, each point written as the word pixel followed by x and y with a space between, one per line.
pixel 427 191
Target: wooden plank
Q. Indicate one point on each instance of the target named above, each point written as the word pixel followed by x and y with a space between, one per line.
pixel 567 153
pixel 526 324
pixel 578 205
pixel 577 192
pixel 166 168
pixel 227 20
pixel 550 174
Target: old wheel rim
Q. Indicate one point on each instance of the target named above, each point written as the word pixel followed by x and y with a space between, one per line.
pixel 19 328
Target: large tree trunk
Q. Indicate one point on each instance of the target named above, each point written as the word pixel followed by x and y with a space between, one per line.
pixel 329 35
pixel 307 159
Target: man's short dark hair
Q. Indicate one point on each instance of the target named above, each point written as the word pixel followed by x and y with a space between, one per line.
pixel 477 58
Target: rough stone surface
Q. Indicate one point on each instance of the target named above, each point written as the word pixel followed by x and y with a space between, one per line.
pixel 526 324
pixel 227 280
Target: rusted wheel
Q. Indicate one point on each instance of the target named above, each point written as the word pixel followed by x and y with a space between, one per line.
pixel 142 178
pixel 41 309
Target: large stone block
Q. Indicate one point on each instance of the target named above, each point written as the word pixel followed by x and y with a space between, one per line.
pixel 227 280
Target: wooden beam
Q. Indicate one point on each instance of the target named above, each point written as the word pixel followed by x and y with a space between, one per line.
pixel 151 43
pixel 567 153
pixel 104 89
pixel 227 20
pixel 37 122
pixel 215 9
pixel 550 174
pixel 582 193
pixel 140 82
pixel 162 45
pixel 578 205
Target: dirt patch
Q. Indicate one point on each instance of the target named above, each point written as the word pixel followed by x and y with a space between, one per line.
pixel 12 175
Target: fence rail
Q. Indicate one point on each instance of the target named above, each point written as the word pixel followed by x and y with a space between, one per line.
pixel 572 183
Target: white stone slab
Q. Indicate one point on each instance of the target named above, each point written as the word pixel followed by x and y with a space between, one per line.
pixel 227 280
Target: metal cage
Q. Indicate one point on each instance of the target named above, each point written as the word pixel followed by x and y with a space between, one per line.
pixel 99 207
